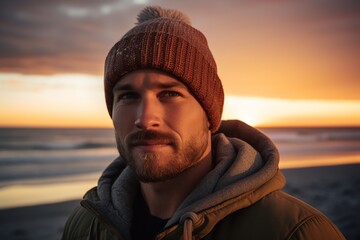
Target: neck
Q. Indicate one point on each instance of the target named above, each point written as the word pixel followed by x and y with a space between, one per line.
pixel 163 198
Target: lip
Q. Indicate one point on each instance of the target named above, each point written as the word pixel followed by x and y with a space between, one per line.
pixel 150 144
pixel 152 147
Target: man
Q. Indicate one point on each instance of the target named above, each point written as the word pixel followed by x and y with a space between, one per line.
pixel 180 175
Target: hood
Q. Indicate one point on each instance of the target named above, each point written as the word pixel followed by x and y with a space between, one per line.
pixel 246 170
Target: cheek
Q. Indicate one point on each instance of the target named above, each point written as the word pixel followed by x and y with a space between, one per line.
pixel 197 114
pixel 189 117
pixel 122 122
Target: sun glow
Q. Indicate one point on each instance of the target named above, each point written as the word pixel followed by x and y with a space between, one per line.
pixel 75 100
pixel 63 100
pixel 246 109
pixel 290 112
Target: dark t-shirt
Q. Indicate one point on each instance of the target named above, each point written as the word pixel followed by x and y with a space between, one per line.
pixel 145 226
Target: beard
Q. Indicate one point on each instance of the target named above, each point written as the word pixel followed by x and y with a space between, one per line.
pixel 157 166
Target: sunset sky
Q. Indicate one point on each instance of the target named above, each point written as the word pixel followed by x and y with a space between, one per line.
pixel 282 63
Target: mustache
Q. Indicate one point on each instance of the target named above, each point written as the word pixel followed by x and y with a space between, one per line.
pixel 144 136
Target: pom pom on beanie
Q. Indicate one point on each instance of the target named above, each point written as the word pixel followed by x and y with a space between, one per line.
pixel 149 13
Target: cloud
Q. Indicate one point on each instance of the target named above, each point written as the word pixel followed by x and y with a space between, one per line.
pixel 48 37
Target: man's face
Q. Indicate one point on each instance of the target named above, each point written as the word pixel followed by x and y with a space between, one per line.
pixel 161 129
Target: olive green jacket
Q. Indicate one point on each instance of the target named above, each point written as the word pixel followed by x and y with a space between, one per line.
pixel 240 198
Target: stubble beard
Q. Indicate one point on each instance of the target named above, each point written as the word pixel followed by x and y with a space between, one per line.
pixel 148 167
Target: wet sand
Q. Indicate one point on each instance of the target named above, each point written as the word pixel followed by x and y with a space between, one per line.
pixel 334 190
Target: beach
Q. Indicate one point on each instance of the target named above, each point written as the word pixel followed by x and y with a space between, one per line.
pixel 331 189
pixel 45 172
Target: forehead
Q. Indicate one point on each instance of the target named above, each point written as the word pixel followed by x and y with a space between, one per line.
pixel 148 78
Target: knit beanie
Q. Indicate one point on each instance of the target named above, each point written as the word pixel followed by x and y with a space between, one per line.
pixel 164 39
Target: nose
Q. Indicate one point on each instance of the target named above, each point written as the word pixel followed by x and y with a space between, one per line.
pixel 148 114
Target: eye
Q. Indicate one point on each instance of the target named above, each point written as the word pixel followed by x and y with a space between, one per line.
pixel 127 97
pixel 169 94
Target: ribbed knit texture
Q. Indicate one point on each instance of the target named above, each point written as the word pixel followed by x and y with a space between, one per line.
pixel 176 48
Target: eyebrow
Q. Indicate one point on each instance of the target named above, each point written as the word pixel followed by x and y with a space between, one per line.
pixel 123 87
pixel 129 86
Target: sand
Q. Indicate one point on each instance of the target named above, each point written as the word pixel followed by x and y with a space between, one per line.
pixel 35 222
pixel 334 190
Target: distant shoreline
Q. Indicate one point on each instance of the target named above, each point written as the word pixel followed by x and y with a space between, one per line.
pixel 257 127
pixel 46 191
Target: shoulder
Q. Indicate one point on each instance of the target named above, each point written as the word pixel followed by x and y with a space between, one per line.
pixel 279 216
pixel 306 222
pixel 82 222
pixel 78 224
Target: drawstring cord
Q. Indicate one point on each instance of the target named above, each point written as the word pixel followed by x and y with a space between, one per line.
pixel 188 220
pixel 188 229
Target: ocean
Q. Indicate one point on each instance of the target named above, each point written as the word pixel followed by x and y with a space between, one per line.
pixel 28 154
pixel 66 162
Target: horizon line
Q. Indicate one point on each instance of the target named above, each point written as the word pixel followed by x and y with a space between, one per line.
pixel 110 127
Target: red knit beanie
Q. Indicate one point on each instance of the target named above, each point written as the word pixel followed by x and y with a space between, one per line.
pixel 164 40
